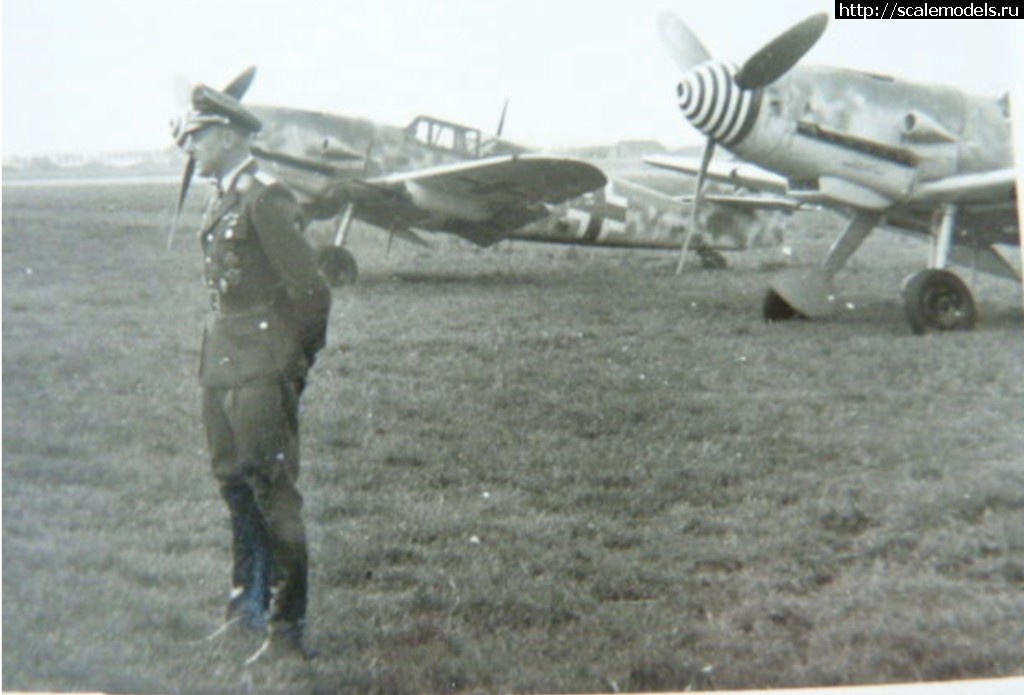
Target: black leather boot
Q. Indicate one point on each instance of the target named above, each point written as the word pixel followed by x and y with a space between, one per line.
pixel 287 606
pixel 284 641
pixel 249 603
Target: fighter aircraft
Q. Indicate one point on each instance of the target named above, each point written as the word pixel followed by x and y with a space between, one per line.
pixel 331 159
pixel 918 158
pixel 440 176
pixel 430 176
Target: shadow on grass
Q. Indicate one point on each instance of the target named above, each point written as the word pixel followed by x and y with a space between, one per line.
pixel 486 279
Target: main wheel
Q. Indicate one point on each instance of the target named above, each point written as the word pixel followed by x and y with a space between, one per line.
pixel 937 300
pixel 338 266
pixel 778 309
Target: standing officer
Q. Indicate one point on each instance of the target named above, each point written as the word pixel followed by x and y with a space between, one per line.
pixel 268 320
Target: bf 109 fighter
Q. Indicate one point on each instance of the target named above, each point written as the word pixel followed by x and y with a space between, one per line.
pixel 430 176
pixel 439 176
pixel 453 175
pixel 926 159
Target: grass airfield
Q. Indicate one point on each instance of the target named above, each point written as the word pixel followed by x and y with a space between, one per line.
pixel 526 469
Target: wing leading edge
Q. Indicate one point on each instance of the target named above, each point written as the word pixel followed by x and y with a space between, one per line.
pixel 482 200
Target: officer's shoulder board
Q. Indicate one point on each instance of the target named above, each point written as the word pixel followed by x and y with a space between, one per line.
pixel 266 185
pixel 246 181
pixel 265 178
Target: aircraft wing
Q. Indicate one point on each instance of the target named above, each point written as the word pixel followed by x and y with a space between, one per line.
pixel 746 175
pixel 482 200
pixel 991 188
pixel 499 181
pixel 986 187
pixel 753 202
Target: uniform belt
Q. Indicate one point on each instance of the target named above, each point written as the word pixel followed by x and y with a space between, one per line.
pixel 217 307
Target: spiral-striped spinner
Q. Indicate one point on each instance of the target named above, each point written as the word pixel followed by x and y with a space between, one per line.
pixel 711 101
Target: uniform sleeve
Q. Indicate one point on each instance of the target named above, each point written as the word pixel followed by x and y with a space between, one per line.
pixel 277 219
pixel 278 223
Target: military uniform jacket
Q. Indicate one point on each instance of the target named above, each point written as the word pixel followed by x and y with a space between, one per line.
pixel 269 302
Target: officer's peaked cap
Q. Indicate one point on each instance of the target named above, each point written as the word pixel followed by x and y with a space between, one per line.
pixel 211 107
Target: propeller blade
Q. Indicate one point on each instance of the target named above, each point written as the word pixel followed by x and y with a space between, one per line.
pixel 698 197
pixel 776 57
pixel 240 85
pixel 236 88
pixel 501 121
pixel 344 223
pixel 367 162
pixel 683 45
pixel 182 92
pixel 186 179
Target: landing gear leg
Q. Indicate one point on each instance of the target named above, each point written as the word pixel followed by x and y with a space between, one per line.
pixel 337 265
pixel 809 292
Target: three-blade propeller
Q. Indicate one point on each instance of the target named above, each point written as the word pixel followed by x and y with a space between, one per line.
pixel 236 89
pixel 765 66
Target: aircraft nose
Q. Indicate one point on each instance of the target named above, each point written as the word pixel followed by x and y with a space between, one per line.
pixel 712 102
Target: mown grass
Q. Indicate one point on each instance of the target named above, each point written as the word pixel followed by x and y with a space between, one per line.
pixel 526 469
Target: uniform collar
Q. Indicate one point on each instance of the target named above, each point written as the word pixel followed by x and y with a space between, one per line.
pixel 228 190
pixel 229 181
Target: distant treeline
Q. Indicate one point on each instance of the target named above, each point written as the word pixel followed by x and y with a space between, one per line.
pixel 169 161
pixel 74 165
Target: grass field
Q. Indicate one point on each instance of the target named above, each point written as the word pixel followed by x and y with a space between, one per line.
pixel 526 469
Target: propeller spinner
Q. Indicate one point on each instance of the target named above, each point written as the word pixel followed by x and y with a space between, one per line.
pixel 722 101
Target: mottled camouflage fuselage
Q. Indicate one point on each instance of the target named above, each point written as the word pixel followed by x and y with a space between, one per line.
pixel 868 140
pixel 320 155
pixel 631 215
pixel 330 148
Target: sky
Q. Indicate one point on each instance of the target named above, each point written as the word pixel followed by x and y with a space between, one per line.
pixel 100 75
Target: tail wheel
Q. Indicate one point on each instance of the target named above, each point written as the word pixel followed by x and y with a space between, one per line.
pixel 338 266
pixel 937 300
pixel 711 259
